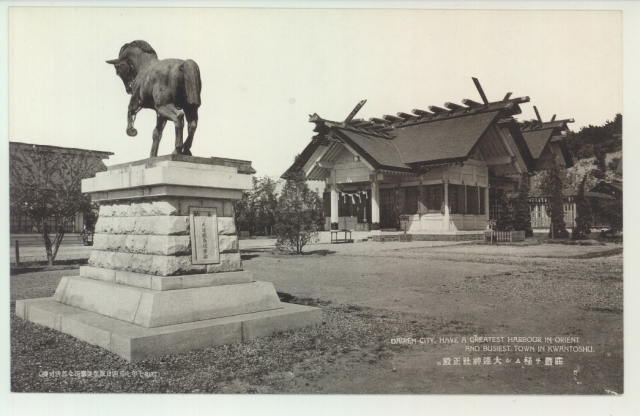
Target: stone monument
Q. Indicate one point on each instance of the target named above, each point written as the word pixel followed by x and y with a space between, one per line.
pixel 165 274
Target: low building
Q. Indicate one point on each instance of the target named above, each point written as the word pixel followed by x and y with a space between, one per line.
pixel 21 160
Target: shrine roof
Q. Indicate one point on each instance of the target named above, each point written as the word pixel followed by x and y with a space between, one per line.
pixel 537 135
pixel 407 141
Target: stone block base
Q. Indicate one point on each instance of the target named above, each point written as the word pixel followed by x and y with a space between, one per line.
pixel 153 282
pixel 135 343
pixel 153 308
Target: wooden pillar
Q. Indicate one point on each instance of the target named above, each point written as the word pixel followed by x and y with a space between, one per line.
pixel 334 201
pixel 575 214
pixel 486 202
pixel 78 223
pixel 375 202
pixel 466 200
pixel 445 224
pixel 334 207
pixel 532 184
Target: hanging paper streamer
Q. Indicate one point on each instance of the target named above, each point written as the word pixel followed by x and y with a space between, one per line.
pixel 353 196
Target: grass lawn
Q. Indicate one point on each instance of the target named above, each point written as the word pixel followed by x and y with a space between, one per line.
pixel 372 294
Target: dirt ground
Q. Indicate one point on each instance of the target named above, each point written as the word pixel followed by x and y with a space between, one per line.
pixel 506 291
pixel 407 291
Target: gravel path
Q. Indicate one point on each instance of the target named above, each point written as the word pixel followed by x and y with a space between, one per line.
pixel 38 253
pixel 369 293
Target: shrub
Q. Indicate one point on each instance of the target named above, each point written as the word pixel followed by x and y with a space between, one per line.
pixel 299 213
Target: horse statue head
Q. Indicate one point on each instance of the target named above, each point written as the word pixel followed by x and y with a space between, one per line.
pixel 131 58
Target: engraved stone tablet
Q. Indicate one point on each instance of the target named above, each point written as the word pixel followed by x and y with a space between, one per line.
pixel 204 235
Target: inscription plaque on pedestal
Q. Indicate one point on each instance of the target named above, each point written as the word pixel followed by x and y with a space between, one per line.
pixel 204 235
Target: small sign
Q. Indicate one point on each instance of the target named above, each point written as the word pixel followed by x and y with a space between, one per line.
pixel 204 235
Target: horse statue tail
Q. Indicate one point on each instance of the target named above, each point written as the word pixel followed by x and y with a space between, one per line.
pixel 192 83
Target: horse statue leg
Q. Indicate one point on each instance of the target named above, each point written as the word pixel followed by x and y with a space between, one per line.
pixel 157 134
pixel 170 112
pixel 191 113
pixel 134 108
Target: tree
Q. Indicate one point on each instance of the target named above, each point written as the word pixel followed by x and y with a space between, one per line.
pixel 521 208
pixel 242 211
pixel 552 186
pixel 265 204
pixel 583 214
pixel 299 213
pixel 584 143
pixel 505 218
pixel 600 170
pixel 256 211
pixel 611 212
pixel 45 186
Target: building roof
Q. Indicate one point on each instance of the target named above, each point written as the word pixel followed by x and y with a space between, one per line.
pixel 537 140
pixel 571 192
pixel 410 142
pixel 59 149
pixel 61 163
pixel 538 135
pixel 380 152
pixel 614 189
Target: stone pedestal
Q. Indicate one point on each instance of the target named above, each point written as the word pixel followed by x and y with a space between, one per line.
pixel 165 273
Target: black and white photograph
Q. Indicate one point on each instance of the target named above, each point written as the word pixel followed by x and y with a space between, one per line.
pixel 310 201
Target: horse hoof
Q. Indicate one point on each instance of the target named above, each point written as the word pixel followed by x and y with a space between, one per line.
pixel 132 132
pixel 187 152
pixel 175 152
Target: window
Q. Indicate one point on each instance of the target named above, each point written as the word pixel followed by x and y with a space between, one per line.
pixel 473 206
pixel 457 199
pixel 24 225
pixel 412 197
pixel 482 203
pixel 434 197
pixel 453 199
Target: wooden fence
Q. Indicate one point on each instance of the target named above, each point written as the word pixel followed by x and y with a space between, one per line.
pixel 505 236
pixel 540 221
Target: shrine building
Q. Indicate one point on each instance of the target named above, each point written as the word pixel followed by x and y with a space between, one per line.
pixel 442 171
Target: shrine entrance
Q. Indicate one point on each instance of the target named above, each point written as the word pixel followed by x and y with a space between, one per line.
pixel 388 211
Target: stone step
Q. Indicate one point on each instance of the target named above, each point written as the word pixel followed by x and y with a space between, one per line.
pixel 135 343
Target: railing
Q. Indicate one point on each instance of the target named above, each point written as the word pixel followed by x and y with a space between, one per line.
pixel 505 236
pixel 545 222
pixel 540 222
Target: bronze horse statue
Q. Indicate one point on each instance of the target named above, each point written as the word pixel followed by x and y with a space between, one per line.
pixel 169 86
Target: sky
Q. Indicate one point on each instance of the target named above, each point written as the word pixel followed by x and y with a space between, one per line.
pixel 264 71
